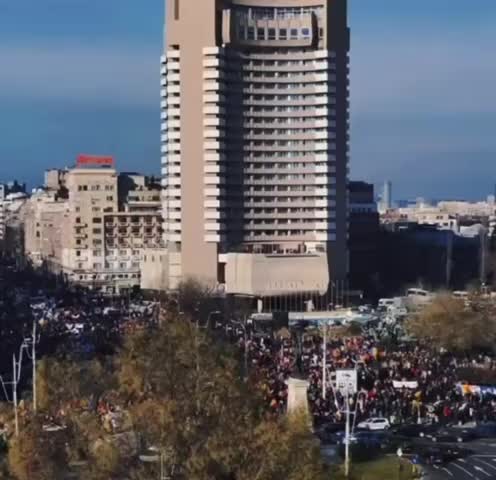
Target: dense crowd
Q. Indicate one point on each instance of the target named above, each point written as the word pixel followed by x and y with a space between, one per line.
pixel 405 383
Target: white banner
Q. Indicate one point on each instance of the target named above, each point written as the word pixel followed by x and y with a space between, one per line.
pixel 347 381
pixel 410 385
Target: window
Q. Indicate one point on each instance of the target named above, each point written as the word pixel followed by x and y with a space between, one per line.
pixel 283 34
pixel 294 34
pixel 110 199
pixel 176 10
pixel 78 219
pixel 251 33
pixel 305 32
pixel 97 231
pixel 260 33
pixel 97 220
pixel 272 33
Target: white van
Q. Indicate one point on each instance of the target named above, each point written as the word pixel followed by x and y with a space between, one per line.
pixel 418 296
pixel 385 303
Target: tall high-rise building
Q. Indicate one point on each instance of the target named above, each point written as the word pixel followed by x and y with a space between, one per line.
pixel 386 202
pixel 255 122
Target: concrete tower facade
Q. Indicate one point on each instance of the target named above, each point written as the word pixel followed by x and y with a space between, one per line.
pixel 255 102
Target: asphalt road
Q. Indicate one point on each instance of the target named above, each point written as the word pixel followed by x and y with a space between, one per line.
pixel 479 466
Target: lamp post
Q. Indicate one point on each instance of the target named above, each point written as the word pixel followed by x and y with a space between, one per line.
pixel 243 327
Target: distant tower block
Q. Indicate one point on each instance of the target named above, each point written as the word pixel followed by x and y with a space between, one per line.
pixel 387 195
pixel 298 396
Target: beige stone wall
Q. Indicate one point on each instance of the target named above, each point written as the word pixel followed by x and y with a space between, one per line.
pixel 154 270
pixel 266 275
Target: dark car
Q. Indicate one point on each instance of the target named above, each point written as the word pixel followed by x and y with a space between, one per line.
pixel 375 440
pixel 441 455
pixel 453 435
pixel 411 430
pixel 330 432
pixel 486 430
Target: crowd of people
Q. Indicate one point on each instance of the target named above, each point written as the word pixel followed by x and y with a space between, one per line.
pixel 404 383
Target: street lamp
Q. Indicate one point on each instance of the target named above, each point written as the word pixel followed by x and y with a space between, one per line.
pixel 244 327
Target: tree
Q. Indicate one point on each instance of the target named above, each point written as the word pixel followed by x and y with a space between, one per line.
pixel 60 382
pixel 456 324
pixel 38 454
pixel 201 413
pixel 185 397
pixel 195 299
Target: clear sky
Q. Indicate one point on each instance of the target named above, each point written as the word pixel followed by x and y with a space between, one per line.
pixel 82 76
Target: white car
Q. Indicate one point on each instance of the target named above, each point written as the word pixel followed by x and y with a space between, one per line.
pixel 375 424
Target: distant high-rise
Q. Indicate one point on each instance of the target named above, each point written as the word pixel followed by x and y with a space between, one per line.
pixel 388 194
pixel 255 102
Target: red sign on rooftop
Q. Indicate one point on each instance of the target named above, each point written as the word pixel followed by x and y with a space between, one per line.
pixel 94 160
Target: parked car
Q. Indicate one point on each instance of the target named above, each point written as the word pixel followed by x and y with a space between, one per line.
pixel 373 439
pixel 329 432
pixel 452 435
pixel 440 455
pixel 375 424
pixel 413 430
pixel 486 430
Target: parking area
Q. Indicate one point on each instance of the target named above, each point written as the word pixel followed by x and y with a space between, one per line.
pixel 477 467
pixel 480 464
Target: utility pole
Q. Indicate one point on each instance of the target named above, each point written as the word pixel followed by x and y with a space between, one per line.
pixel 324 365
pixel 483 237
pixel 14 395
pixel 33 355
pixel 347 437
pixel 243 326
pixel 347 384
pixel 449 256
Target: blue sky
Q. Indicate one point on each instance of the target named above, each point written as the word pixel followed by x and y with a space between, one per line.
pixel 82 76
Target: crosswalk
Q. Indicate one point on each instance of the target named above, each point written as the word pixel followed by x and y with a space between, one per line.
pixel 477 467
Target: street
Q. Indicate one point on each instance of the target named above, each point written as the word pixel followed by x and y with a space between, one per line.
pixel 479 466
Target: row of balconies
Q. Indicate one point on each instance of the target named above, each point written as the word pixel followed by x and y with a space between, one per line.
pixel 272 134
pixel 280 55
pixel 215 146
pixel 309 168
pixel 270 158
pixel 310 100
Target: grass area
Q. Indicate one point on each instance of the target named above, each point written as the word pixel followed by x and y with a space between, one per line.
pixel 386 468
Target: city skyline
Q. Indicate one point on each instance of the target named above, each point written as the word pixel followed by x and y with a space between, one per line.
pixel 412 109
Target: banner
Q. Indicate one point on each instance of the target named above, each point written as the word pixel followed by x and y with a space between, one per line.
pixel 94 160
pixel 476 389
pixel 410 385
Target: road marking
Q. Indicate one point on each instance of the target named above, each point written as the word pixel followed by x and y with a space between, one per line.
pixel 487 464
pixel 479 469
pixel 448 472
pixel 466 471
